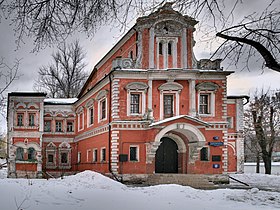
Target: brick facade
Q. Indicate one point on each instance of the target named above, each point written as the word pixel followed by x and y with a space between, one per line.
pixel 149 89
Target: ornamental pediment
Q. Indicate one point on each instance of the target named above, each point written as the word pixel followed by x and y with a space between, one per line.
pixel 210 86
pixel 137 86
pixel 171 86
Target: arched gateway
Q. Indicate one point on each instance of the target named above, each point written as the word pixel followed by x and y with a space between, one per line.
pixel 178 146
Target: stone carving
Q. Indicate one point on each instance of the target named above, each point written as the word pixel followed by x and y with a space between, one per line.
pixel 168 28
pixel 151 149
pixel 137 86
pixel 171 86
pixel 207 86
pixel 123 63
pixel 207 64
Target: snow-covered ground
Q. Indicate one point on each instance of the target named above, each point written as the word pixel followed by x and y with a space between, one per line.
pixel 90 190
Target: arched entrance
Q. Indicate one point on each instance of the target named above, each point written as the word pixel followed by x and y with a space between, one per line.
pixel 167 156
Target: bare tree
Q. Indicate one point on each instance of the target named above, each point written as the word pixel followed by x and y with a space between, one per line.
pixel 65 76
pixel 255 35
pixel 263 116
pixel 8 74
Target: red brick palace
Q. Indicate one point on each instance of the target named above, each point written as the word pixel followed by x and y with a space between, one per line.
pixel 147 107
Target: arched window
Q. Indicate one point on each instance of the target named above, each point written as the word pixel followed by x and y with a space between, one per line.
pixel 19 153
pixel 31 153
pixel 169 48
pixel 160 48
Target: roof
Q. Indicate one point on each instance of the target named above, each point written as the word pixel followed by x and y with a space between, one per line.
pixel 59 101
pixel 194 119
pixel 28 94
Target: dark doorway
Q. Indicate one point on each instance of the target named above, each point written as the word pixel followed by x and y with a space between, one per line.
pixel 167 157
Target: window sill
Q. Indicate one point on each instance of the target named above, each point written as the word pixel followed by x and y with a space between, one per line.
pixel 26 161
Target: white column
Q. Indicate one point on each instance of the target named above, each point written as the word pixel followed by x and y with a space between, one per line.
pixel 184 49
pixel 174 53
pixel 161 105
pixel 150 97
pixel 165 54
pixel 177 103
pixel 151 48
pixel 192 92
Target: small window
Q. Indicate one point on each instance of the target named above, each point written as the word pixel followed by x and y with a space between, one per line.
pixel 31 119
pixel 94 158
pixel 64 157
pixel 91 115
pixel 103 109
pixel 88 155
pixel 204 104
pixel 168 105
pixel 79 157
pixel 230 122
pixel 170 48
pixel 133 153
pixel 47 126
pixel 50 158
pixel 160 48
pixel 81 121
pixel 135 103
pixel 103 154
pixel 131 54
pixel 31 153
pixel 204 154
pixel 19 153
pixel 216 158
pixel 58 126
pixel 19 119
pixel 70 126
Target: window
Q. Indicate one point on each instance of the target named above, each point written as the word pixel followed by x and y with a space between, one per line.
pixel 94 158
pixel 160 48
pixel 79 157
pixel 91 115
pixel 102 109
pixel 58 126
pixel 131 54
pixel 64 157
pixel 103 154
pixel 31 153
pixel 81 121
pixel 204 154
pixel 168 105
pixel 88 155
pixel 204 104
pixel 230 122
pixel 133 153
pixel 31 119
pixel 169 48
pixel 135 103
pixel 50 158
pixel 70 126
pixel 19 119
pixel 47 126
pixel 19 153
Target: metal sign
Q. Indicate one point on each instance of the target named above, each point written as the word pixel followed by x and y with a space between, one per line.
pixel 216 144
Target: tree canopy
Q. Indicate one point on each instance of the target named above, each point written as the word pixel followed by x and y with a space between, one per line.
pixel 242 37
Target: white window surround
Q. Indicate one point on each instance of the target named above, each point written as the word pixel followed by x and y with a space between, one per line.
pixel 142 100
pixel 88 154
pixel 100 109
pixel 89 124
pixel 94 158
pixel 137 153
pixel 137 88
pixel 79 157
pixel 211 103
pixel 102 149
pixel 80 114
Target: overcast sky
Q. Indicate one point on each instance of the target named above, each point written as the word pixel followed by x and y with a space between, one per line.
pixel 238 83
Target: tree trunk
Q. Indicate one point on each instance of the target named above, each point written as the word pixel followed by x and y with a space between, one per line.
pixel 267 163
pixel 258 164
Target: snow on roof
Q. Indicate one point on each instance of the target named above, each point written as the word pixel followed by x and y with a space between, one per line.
pixel 60 100
pixel 178 117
